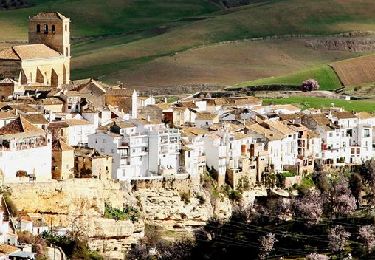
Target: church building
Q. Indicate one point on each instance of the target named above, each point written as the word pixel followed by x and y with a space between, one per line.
pixel 45 60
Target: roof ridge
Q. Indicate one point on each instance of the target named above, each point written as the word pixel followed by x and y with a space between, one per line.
pixel 15 52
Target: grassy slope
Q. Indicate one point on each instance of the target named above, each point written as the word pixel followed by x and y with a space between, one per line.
pixel 272 17
pixel 109 17
pixel 116 54
pixel 314 102
pixel 326 77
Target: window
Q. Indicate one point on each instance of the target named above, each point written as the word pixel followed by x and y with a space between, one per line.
pixel 46 29
pixel 38 28
pixel 367 133
pixel 53 28
pixel 66 28
pixel 67 166
pixel 67 51
pixel 112 150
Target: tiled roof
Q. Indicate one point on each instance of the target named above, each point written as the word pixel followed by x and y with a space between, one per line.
pixel 272 135
pixel 244 100
pixel 48 15
pixel 343 115
pixel 8 54
pixel 280 127
pixel 20 125
pixel 164 106
pixel 206 116
pixel 7 115
pixel 365 115
pixel 74 122
pixel 35 51
pixel 7 81
pixel 37 119
pixel 57 125
pixel 91 84
pixel 120 92
pixel 194 131
pixel 27 52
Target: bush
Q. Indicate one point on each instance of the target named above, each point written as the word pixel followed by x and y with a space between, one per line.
pixel 72 247
pixel 310 85
pixel 128 212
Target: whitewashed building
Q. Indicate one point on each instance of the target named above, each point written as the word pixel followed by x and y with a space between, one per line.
pixel 25 152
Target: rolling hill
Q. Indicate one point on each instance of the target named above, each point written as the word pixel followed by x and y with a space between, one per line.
pixel 148 42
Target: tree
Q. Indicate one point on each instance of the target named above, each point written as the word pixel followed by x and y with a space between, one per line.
pixel 367 171
pixel 367 236
pixel 322 182
pixel 356 186
pixel 343 202
pixel 267 243
pixel 310 85
pixel 338 239
pixel 309 207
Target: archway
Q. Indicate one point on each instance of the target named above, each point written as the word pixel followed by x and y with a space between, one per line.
pixel 39 76
pixel 54 79
pixel 64 75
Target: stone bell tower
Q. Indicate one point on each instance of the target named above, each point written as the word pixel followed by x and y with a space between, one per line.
pixel 51 29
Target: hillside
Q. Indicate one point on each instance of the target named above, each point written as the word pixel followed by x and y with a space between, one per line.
pixel 137 41
pixel 325 75
pixel 356 71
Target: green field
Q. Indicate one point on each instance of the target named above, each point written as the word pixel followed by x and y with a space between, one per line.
pixel 315 102
pixel 326 77
pixel 105 18
pixel 115 37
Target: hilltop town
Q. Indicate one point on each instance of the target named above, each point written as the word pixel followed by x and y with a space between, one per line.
pixel 107 161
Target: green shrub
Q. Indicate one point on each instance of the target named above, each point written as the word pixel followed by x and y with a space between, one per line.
pixel 128 212
pixel 287 174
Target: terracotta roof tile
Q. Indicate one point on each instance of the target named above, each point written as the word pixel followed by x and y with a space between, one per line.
pixel 19 125
pixel 74 122
pixel 37 119
pixel 8 54
pixel 35 51
pixel 48 15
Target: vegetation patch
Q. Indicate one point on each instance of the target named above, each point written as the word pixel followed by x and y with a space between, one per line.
pixel 316 102
pixel 128 213
pixel 326 77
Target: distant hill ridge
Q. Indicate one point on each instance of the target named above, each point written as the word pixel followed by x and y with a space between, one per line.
pixel 13 4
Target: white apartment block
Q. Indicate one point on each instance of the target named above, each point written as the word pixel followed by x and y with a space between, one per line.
pixel 138 150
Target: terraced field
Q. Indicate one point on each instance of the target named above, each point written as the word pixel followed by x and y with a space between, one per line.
pixel 325 75
pixel 315 102
pixel 356 71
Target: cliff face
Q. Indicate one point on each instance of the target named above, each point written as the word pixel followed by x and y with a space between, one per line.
pixel 80 204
